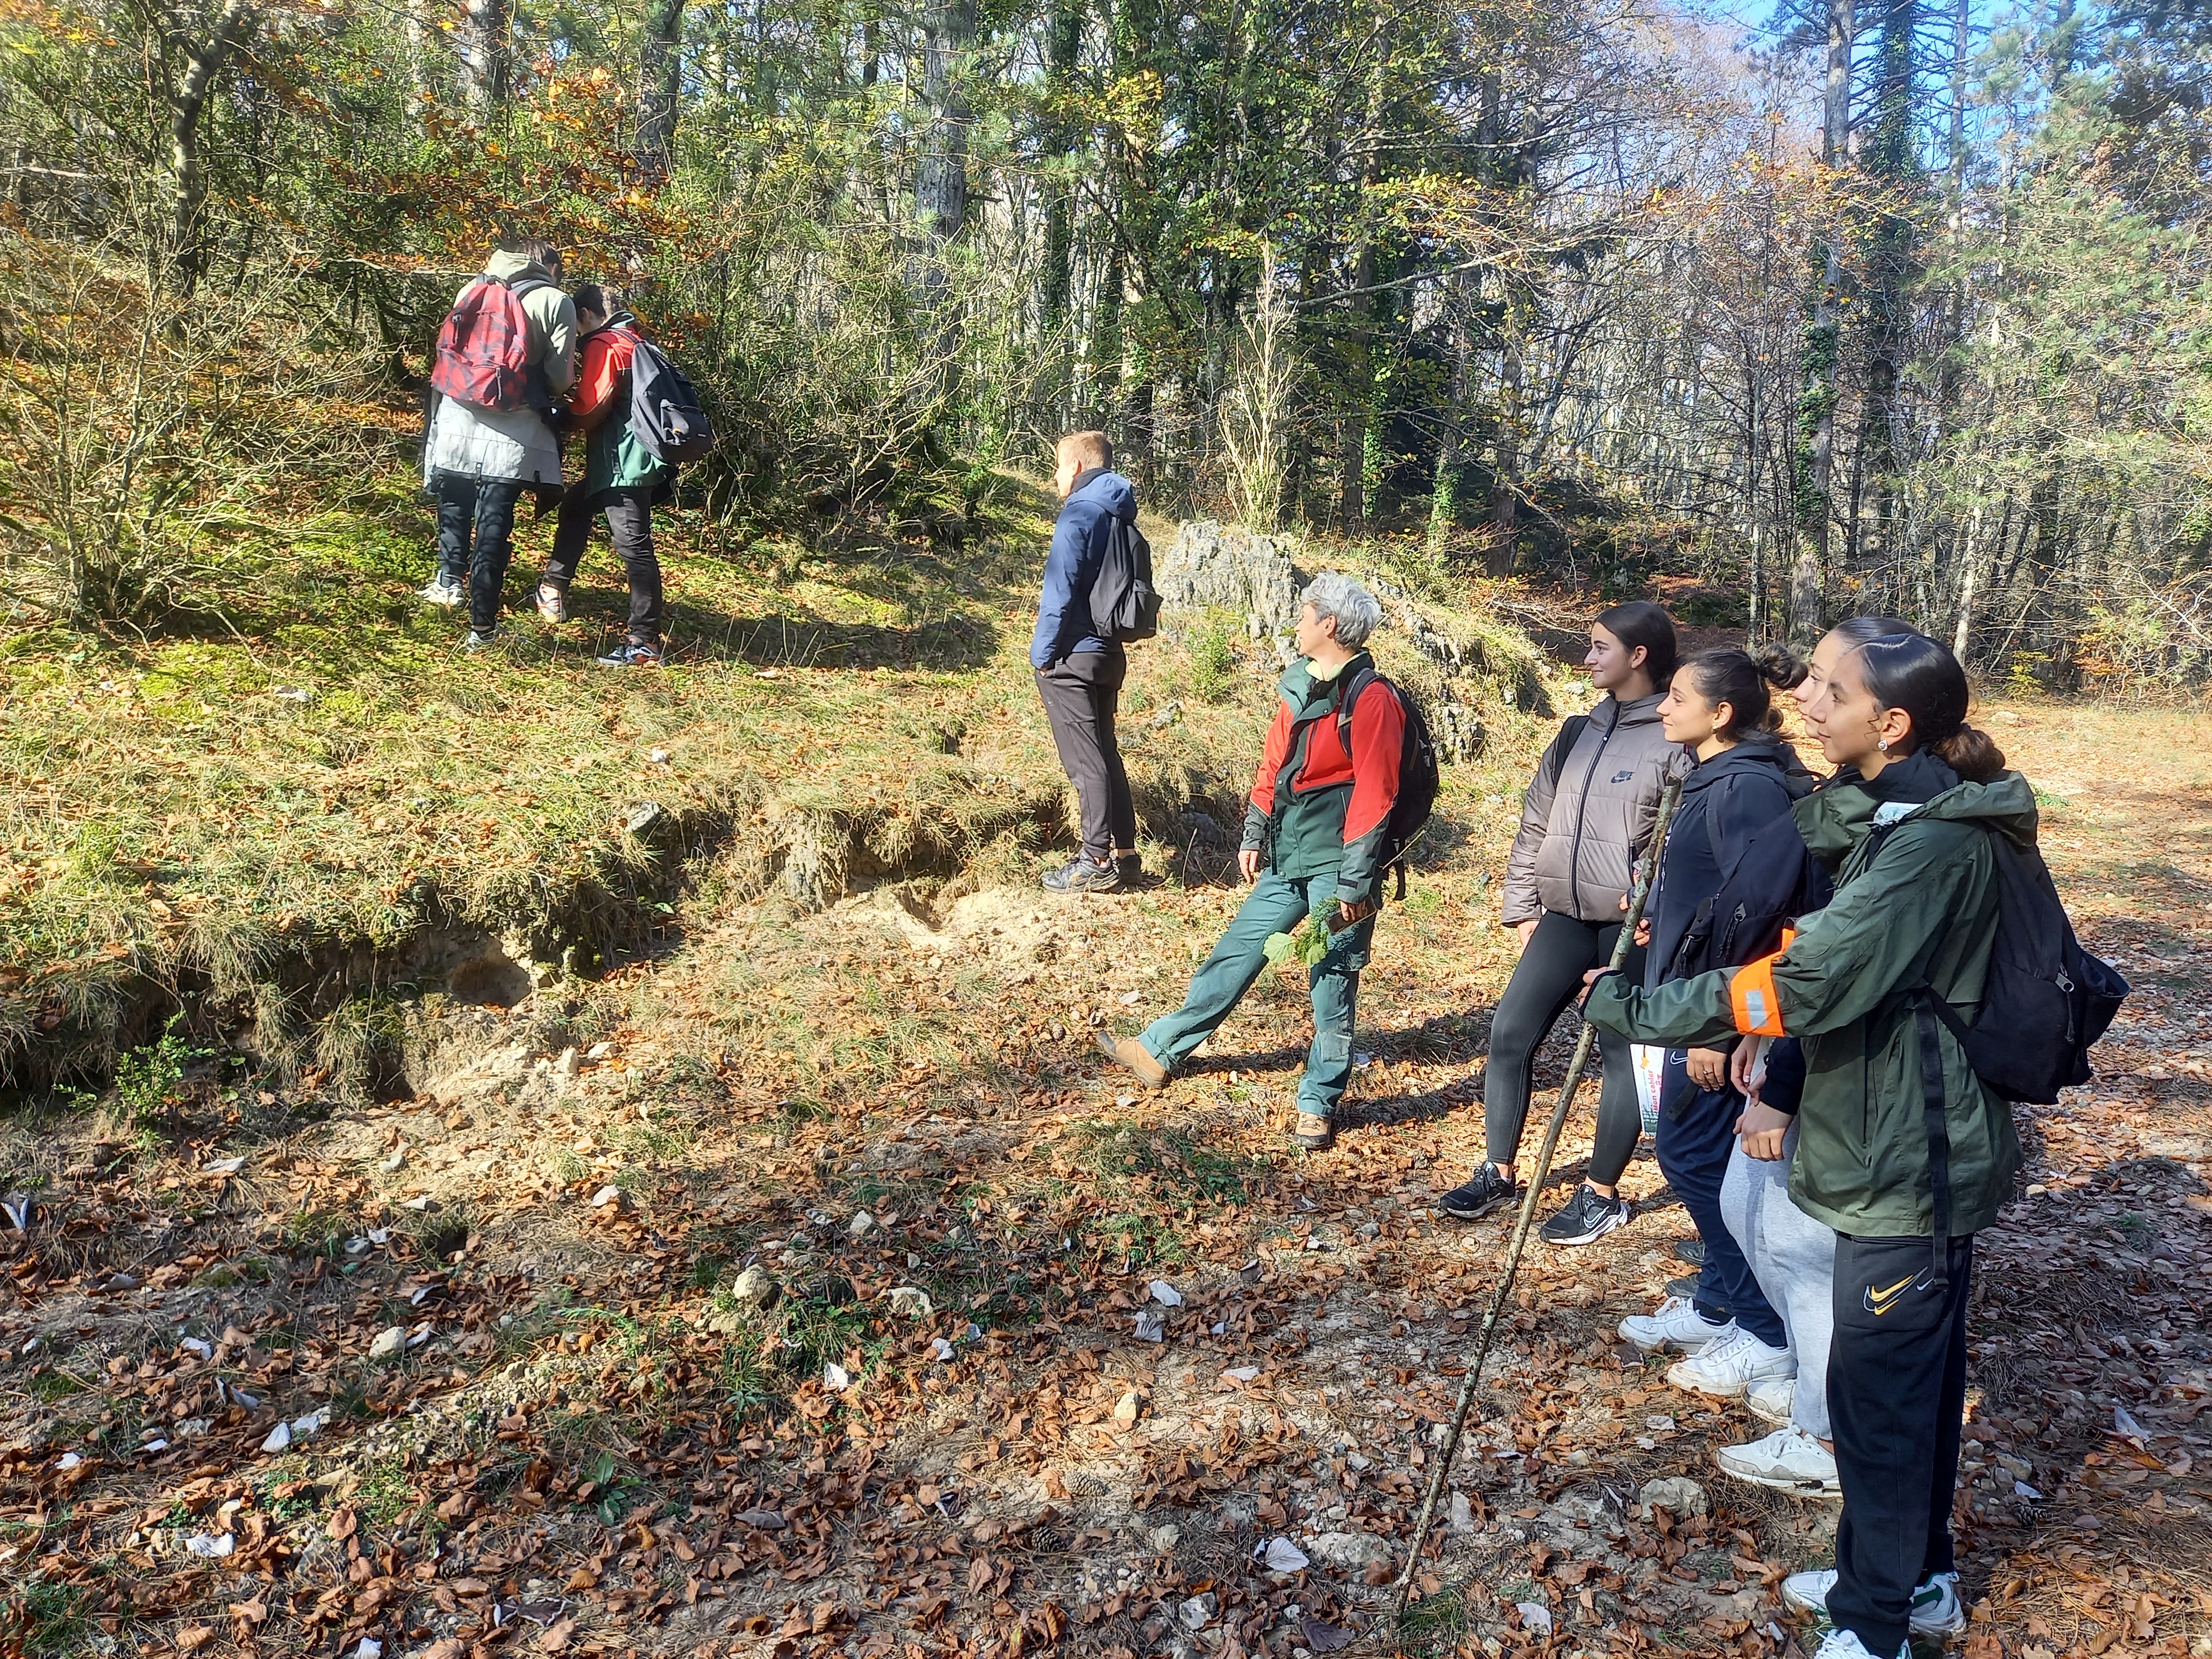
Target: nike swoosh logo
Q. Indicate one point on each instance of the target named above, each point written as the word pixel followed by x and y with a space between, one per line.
pixel 1880 1301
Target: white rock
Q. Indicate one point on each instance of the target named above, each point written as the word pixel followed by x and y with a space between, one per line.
pixel 67 1460
pixel 1197 1613
pixel 153 1446
pixel 1462 1513
pixel 567 1065
pixel 1676 1494
pixel 2124 1421
pixel 380 1235
pixel 1283 1556
pixel 940 1347
pixel 1242 1374
pixel 1536 1617
pixel 370 1648
pixel 1151 1327
pixel 389 1342
pixel 223 1166
pixel 836 1378
pixel 1164 1538
pixel 198 1349
pixel 302 1427
pixel 755 1289
pixel 911 1301
pixel 608 1194
pixel 860 1225
pixel 599 1051
pixel 210 1546
pixel 1350 1551
pixel 397 1160
pixel 421 1201
pixel 280 1438
pixel 1128 999
pixel 1166 1294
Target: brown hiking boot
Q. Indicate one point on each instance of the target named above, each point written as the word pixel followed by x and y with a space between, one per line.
pixel 1313 1132
pixel 1138 1058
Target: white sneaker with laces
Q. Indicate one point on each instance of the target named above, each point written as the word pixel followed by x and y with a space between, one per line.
pixel 1845 1644
pixel 1770 1399
pixel 1726 1368
pixel 442 591
pixel 1936 1611
pixel 1789 1460
pixel 1674 1325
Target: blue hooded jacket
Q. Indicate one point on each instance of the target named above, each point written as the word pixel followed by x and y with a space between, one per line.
pixel 1064 627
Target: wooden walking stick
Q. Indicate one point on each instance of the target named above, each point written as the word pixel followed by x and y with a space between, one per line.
pixel 1668 798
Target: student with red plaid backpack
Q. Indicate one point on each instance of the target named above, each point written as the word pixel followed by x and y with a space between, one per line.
pixel 506 354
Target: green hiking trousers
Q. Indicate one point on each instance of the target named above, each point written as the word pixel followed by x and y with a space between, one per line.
pixel 1276 906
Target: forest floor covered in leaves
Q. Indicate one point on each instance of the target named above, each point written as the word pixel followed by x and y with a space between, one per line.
pixel 837 1298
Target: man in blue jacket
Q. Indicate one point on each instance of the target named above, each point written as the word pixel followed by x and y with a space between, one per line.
pixel 1079 671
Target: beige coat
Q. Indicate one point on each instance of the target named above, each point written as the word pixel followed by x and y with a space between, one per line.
pixel 1584 825
pixel 513 444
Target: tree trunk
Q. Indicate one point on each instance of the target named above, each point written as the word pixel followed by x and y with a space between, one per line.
pixel 659 81
pixel 1360 434
pixel 485 58
pixel 1817 406
pixel 187 184
pixel 1064 51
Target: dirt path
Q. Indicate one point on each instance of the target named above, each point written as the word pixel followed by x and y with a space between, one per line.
pixel 486 1372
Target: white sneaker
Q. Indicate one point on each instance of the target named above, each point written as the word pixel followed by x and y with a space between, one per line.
pixel 442 591
pixel 1770 1399
pixel 1937 1610
pixel 1726 1368
pixel 1789 1459
pixel 1674 1325
pixel 1845 1644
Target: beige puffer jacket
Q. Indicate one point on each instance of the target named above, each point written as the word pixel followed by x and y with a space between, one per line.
pixel 1585 823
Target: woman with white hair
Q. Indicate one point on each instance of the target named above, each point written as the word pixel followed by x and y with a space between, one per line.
pixel 1313 846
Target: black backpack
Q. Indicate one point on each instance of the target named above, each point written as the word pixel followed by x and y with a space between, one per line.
pixel 664 407
pixel 1555 757
pixel 2045 1001
pixel 1124 606
pixel 1419 774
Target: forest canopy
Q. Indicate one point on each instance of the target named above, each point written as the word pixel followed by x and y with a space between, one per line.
pixel 1854 306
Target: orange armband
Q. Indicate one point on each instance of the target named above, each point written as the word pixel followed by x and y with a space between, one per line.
pixel 1752 996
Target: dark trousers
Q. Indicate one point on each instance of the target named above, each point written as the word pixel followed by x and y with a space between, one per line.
pixel 1897 1393
pixel 476 536
pixel 1081 694
pixel 1549 976
pixel 1697 1132
pixel 629 522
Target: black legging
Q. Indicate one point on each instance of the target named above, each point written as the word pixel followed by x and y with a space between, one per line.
pixel 1549 976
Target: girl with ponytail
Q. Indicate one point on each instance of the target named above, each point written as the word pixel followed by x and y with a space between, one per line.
pixel 1906 1165
pixel 1720 710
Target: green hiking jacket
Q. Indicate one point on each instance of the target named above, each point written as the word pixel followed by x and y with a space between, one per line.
pixel 1919 906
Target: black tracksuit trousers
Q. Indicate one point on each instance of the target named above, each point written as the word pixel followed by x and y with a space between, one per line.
pixel 1896 1394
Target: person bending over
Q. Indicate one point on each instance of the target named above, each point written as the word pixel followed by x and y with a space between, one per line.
pixel 623 479
pixel 1313 839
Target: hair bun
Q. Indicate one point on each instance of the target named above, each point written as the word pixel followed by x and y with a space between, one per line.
pixel 1779 666
pixel 1972 753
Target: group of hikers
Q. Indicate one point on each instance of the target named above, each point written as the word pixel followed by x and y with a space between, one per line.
pixel 1822 1106
pixel 521 366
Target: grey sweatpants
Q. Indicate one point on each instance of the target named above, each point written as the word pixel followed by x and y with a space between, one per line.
pixel 1794 1259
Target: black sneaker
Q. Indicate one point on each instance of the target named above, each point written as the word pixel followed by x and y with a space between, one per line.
pixel 631 653
pixel 1081 875
pixel 1479 1194
pixel 1691 1250
pixel 1687 1289
pixel 480 639
pixel 1586 1218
